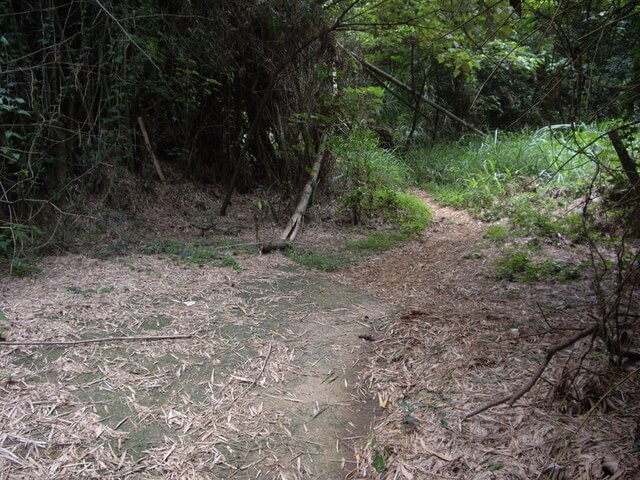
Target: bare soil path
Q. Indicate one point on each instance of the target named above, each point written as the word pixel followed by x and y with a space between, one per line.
pixel 264 388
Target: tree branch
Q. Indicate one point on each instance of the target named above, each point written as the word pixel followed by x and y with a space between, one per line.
pixel 372 68
pixel 549 353
pixel 73 343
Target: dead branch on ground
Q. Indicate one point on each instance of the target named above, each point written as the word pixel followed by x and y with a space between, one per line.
pixel 549 353
pixel 73 343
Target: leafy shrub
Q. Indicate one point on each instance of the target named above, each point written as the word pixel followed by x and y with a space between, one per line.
pixel 364 173
pixel 15 239
pixel 24 267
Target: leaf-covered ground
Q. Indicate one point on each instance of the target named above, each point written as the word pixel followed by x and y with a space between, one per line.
pixel 292 373
pixel 462 339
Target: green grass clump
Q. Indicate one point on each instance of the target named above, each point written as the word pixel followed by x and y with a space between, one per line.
pixel 327 262
pixel 497 233
pixel 370 184
pixel 367 176
pixel 196 253
pixel 481 173
pixel 518 265
pixel 406 211
pixel 377 242
pixel 170 246
pixel 413 215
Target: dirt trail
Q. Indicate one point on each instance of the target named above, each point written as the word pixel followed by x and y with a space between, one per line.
pixel 436 269
pixel 275 382
pixel 461 339
pixel 263 389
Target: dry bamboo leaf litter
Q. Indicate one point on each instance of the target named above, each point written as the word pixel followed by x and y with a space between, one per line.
pixel 469 340
pixel 182 409
pixel 213 405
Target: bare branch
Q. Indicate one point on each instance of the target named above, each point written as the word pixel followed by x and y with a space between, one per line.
pixel 550 352
pixel 73 343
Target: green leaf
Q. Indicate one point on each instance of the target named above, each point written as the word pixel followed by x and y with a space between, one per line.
pixel 2 315
pixel 8 134
pixel 379 463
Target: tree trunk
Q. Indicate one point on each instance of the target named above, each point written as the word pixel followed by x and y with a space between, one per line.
pixel 295 222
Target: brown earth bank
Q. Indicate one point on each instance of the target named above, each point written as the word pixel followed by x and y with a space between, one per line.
pixel 239 365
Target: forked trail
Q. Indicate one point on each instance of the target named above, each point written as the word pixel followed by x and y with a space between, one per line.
pixel 287 373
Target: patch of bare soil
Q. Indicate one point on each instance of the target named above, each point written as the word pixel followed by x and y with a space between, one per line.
pixel 243 371
pixel 462 339
pixel 262 388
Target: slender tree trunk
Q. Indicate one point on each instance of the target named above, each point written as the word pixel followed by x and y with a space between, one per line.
pixel 381 73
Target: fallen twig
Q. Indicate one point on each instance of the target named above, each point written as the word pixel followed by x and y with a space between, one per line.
pixel 550 352
pixel 72 343
pixel 255 380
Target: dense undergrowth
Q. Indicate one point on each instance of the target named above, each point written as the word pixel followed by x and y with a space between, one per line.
pixel 540 180
pixel 370 185
pixel 562 205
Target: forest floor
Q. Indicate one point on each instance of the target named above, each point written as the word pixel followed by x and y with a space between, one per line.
pixel 278 371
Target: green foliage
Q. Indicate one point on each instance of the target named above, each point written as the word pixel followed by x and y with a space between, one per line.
pixel 369 182
pixel 14 240
pixel 14 236
pixel 358 105
pixel 24 267
pixel 170 246
pixel 514 264
pixel 361 162
pixel 406 211
pixel 327 262
pixel 231 262
pixel 377 242
pixel 379 462
pixel 197 253
pixel 5 243
pixel 500 67
pixel 532 215
pixel 497 233
pixel 484 174
pixel 519 265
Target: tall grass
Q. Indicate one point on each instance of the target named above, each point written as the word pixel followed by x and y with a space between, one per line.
pixel 370 184
pixel 481 173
